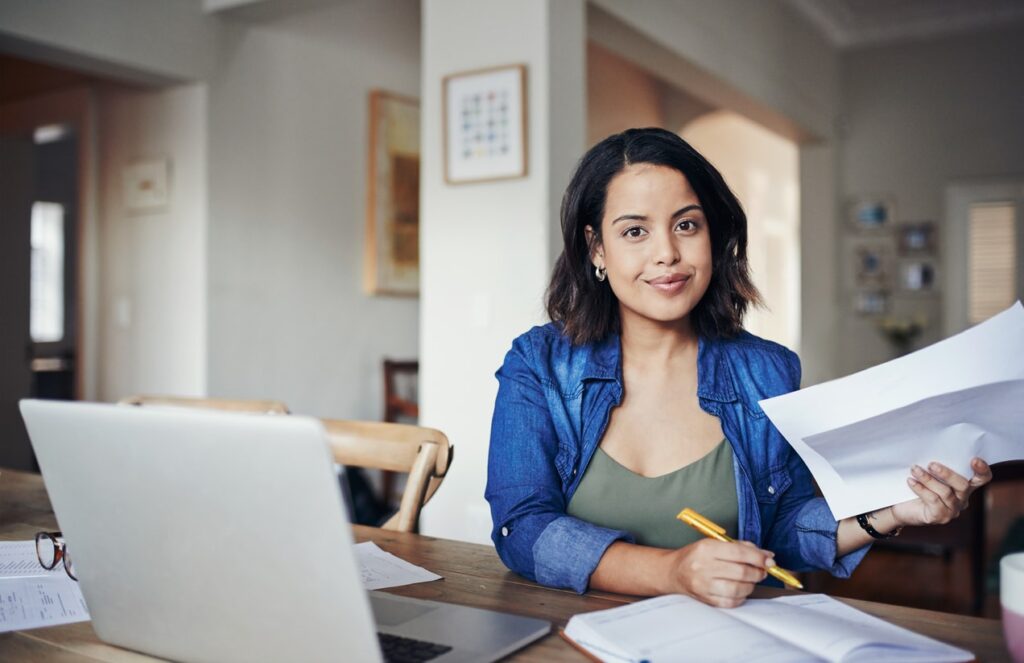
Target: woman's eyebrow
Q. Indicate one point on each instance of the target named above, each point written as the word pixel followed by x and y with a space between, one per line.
pixel 641 217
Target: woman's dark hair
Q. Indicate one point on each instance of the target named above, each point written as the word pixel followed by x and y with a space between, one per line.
pixel 587 308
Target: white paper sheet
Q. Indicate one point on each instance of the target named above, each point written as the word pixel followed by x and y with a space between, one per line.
pixel 40 601
pixel 18 560
pixel 31 596
pixel 953 400
pixel 381 569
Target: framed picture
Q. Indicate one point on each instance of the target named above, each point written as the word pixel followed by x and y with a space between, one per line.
pixel 871 213
pixel 146 185
pixel 485 125
pixel 872 264
pixel 918 276
pixel 871 302
pixel 916 238
pixel 392 252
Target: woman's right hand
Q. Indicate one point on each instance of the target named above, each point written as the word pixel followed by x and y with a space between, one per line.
pixel 718 573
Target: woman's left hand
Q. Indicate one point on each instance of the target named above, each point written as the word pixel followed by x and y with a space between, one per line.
pixel 941 493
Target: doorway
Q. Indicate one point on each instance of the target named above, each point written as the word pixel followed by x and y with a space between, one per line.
pixel 44 156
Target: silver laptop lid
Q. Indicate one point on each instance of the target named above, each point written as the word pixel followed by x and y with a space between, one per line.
pixel 205 536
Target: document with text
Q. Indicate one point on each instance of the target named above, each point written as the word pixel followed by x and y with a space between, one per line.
pixel 380 569
pixel 954 400
pixel 31 596
pixel 804 627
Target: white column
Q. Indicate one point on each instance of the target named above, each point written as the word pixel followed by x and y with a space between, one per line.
pixel 487 248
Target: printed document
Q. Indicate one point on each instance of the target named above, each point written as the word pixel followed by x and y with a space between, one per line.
pixel 804 627
pixel 381 569
pixel 31 596
pixel 956 399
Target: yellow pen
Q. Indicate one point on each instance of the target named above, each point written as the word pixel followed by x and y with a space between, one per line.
pixel 711 530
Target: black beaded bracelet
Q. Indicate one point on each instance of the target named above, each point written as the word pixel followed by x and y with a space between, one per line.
pixel 862 520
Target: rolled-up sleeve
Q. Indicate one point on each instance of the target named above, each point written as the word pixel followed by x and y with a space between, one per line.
pixel 531 531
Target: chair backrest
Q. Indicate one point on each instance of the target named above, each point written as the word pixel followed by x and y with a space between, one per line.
pixel 226 404
pixel 422 452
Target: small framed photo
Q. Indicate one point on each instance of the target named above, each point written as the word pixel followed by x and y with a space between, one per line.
pixel 485 128
pixel 871 302
pixel 870 214
pixel 916 238
pixel 146 185
pixel 872 264
pixel 918 276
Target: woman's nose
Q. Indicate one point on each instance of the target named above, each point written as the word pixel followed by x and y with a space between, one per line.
pixel 666 251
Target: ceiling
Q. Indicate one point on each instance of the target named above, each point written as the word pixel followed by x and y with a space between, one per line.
pixel 852 23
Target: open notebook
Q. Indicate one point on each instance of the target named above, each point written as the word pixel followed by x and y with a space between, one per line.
pixel 805 627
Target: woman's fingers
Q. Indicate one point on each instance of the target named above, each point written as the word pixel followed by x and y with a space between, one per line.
pixel 957 482
pixel 936 511
pixel 942 490
pixel 982 473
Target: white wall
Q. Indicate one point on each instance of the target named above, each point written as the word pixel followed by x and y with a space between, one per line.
pixel 143 40
pixel 487 248
pixel 288 153
pixel 152 305
pixel 919 117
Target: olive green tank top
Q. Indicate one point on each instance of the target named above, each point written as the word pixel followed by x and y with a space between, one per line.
pixel 610 495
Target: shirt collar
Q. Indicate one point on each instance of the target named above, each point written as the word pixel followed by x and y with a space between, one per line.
pixel 714 377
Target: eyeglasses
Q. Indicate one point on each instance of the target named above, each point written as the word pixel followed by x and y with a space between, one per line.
pixel 52 550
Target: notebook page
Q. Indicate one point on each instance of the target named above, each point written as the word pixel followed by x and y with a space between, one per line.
pixel 838 632
pixel 675 628
pixel 901 644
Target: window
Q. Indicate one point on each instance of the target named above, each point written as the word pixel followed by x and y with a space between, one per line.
pixel 46 315
pixel 992 259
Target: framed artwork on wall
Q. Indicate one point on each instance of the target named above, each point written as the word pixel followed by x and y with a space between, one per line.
pixel 146 185
pixel 917 238
pixel 871 213
pixel 871 263
pixel 871 302
pixel 391 257
pixel 918 276
pixel 485 127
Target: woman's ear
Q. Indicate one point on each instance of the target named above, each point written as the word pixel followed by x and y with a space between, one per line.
pixel 596 250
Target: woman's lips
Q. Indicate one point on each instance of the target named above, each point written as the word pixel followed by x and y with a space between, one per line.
pixel 670 283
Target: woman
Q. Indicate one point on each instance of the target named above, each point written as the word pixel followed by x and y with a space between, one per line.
pixel 641 398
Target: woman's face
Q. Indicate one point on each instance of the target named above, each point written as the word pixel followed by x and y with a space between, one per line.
pixel 656 244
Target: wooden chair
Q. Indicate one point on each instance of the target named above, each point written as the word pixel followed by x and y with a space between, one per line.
pixel 226 404
pixel 422 452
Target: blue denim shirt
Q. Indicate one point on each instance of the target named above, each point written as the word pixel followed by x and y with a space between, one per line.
pixel 553 405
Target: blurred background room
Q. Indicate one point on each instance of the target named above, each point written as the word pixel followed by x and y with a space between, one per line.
pixel 255 199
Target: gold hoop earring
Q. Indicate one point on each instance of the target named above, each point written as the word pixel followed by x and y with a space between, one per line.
pixel 601 273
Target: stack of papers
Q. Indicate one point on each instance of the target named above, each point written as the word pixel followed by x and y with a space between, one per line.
pixel 31 596
pixel 805 627
pixel 960 398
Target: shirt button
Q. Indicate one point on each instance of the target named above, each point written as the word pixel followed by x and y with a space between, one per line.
pixel 504 531
pixel 771 490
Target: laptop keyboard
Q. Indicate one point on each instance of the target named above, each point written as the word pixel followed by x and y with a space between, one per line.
pixel 406 650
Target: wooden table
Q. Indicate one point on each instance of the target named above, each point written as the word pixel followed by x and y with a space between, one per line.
pixel 473 575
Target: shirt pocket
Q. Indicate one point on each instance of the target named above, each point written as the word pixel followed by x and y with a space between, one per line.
pixel 769 486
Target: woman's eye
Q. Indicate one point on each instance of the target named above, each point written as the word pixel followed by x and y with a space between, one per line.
pixel 634 232
pixel 686 225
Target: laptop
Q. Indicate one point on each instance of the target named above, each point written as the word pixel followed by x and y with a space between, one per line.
pixel 210 536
